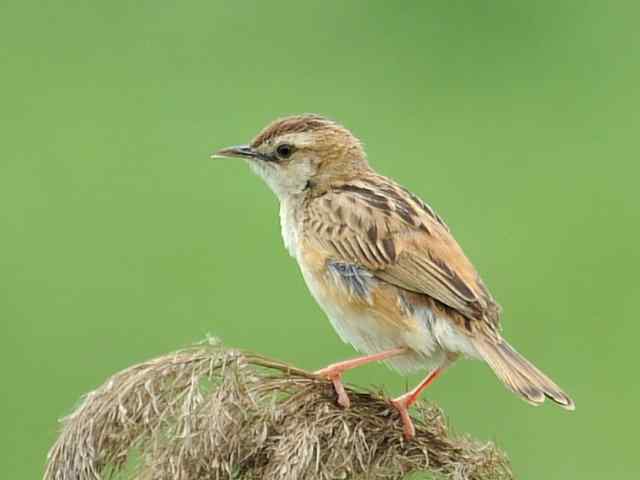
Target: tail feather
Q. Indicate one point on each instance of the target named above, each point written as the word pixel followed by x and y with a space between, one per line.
pixel 521 376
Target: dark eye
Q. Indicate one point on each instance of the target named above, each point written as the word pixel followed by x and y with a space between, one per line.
pixel 285 150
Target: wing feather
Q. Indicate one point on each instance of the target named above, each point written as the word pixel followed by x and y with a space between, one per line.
pixel 400 240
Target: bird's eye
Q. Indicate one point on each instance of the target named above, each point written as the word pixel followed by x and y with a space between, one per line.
pixel 285 150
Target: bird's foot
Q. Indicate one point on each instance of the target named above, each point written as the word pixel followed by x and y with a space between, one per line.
pixel 402 404
pixel 334 373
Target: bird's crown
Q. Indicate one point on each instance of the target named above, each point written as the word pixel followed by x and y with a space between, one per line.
pixel 293 124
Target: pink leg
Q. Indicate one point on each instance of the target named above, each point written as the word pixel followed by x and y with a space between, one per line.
pixel 403 402
pixel 334 371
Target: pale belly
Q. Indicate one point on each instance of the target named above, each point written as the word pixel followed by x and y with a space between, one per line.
pixel 377 324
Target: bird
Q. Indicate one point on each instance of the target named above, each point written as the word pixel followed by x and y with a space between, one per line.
pixel 382 264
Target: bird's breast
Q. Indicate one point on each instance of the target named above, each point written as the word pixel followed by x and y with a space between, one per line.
pixel 289 226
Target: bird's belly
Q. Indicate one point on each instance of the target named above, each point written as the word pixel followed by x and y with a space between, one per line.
pixel 373 320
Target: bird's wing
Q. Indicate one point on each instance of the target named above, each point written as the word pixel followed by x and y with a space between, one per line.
pixel 378 225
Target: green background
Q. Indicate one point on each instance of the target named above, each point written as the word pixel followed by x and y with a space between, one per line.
pixel 121 240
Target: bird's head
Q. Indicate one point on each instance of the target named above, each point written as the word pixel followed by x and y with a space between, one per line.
pixel 298 153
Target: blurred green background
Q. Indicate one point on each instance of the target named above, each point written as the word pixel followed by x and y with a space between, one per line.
pixel 121 240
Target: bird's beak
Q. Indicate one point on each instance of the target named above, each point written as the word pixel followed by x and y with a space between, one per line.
pixel 239 151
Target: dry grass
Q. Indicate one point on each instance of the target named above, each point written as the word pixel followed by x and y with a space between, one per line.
pixel 213 413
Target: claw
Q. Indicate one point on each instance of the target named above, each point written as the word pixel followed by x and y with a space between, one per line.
pixel 334 374
pixel 343 398
pixel 403 402
pixel 408 429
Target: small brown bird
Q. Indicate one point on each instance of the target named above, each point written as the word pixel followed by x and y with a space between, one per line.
pixel 381 263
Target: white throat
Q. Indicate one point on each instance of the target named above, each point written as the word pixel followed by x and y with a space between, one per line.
pixel 285 181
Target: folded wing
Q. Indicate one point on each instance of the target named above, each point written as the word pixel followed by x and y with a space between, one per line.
pixel 376 224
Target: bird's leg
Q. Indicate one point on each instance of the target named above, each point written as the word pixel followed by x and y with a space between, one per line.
pixel 403 402
pixel 334 371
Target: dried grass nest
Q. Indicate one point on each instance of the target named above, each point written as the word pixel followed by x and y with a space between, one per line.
pixel 210 412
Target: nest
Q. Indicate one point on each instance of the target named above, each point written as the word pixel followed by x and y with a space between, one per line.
pixel 210 412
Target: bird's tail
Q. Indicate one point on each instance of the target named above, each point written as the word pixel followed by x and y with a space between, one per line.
pixel 521 376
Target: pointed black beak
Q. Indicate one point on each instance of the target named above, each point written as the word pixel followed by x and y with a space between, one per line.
pixel 238 151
